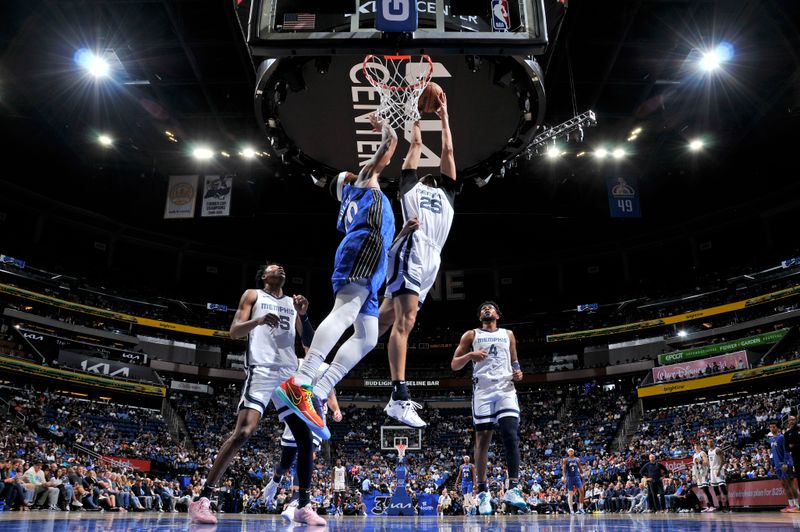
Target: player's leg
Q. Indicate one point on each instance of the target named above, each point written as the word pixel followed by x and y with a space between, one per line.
pixel 246 423
pixel 296 392
pixel 302 436
pixel 385 315
pixel 363 340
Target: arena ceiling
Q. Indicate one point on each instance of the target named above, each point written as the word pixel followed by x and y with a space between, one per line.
pixel 186 70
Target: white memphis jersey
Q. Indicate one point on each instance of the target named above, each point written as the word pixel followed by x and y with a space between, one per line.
pixel 338 478
pixel 434 210
pixel 714 459
pixel 272 346
pixel 497 364
pixel 699 468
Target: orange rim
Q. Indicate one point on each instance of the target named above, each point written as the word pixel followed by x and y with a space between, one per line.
pixel 375 83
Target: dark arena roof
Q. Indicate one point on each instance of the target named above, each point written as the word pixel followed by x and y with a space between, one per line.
pixel 541 223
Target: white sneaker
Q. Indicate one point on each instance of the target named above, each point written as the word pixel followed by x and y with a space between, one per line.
pixel 405 412
pixel 288 513
pixel 514 498
pixel 269 491
pixel 484 503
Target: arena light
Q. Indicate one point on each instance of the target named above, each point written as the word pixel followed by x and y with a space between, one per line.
pixel 713 59
pixel 601 153
pixel 682 333
pixel 636 131
pixel 202 153
pixel 696 145
pixel 105 140
pixel 93 63
pixel 554 152
pixel 248 153
pixel 618 153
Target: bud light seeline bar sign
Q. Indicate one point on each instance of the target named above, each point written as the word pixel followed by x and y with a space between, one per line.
pixel 395 16
pixel 623 197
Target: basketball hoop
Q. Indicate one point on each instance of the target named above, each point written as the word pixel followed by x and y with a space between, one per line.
pixel 400 81
pixel 401 450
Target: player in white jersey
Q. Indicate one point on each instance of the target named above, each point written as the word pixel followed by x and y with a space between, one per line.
pixel 339 481
pixel 700 474
pixel 493 353
pixel 716 462
pixel 415 256
pixel 271 320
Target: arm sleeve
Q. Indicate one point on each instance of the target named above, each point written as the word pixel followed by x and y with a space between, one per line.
pixel 308 330
pixel 450 186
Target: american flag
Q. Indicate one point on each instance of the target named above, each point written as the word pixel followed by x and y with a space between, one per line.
pixel 299 21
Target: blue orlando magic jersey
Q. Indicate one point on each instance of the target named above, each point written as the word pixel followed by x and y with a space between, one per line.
pixel 366 218
pixel 466 474
pixel 573 471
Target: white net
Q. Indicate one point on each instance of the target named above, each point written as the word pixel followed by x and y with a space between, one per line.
pixel 400 80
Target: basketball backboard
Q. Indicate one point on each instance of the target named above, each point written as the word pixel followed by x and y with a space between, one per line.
pixel 279 28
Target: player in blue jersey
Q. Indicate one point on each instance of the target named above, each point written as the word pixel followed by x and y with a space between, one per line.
pixel 571 470
pixel 466 477
pixel 784 467
pixel 366 219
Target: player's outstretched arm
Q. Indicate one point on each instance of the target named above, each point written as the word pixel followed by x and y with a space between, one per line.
pixel 383 155
pixel 463 355
pixel 414 148
pixel 516 370
pixel 242 324
pixel 448 161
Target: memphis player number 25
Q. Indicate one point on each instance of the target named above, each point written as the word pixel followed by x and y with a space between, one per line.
pixel 625 205
pixel 432 204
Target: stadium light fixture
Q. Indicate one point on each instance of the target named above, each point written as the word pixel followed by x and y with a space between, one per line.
pixel 97 66
pixel 682 333
pixel 618 153
pixel 553 153
pixel 105 140
pixel 696 145
pixel 601 153
pixel 714 58
pixel 248 153
pixel 202 153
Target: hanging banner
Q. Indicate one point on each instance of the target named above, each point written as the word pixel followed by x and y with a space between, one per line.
pixel 716 349
pixel 181 196
pixel 217 195
pixel 623 197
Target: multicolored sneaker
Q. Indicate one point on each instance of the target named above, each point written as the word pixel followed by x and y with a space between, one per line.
pixel 302 401
pixel 308 516
pixel 200 512
pixel 514 498
pixel 484 503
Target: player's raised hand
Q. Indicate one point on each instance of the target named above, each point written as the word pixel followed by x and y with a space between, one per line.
pixel 300 304
pixel 441 111
pixel 478 356
pixel 376 122
pixel 269 319
pixel 409 227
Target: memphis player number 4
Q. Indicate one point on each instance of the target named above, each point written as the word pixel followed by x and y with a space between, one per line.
pixel 432 204
pixel 625 205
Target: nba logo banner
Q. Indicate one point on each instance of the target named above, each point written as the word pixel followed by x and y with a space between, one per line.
pixel 500 19
pixel 395 16
pixel 623 197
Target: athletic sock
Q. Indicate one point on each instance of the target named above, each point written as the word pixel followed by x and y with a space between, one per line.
pixel 399 391
pixel 303 498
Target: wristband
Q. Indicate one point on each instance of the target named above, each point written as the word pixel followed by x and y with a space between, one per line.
pixel 515 365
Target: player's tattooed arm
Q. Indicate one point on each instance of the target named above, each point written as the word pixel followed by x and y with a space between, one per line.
pixel 383 155
pixel 242 324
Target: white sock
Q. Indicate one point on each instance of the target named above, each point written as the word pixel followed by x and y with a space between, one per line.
pixel 352 351
pixel 580 506
pixel 348 303
pixel 569 500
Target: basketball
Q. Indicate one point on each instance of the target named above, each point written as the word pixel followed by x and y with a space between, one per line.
pixel 429 100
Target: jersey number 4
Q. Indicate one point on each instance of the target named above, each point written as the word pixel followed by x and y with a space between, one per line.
pixel 493 350
pixel 432 204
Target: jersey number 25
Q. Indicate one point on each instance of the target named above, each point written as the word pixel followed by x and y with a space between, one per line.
pixel 432 204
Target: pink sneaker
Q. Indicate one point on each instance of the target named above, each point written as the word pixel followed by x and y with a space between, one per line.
pixel 200 512
pixel 308 516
